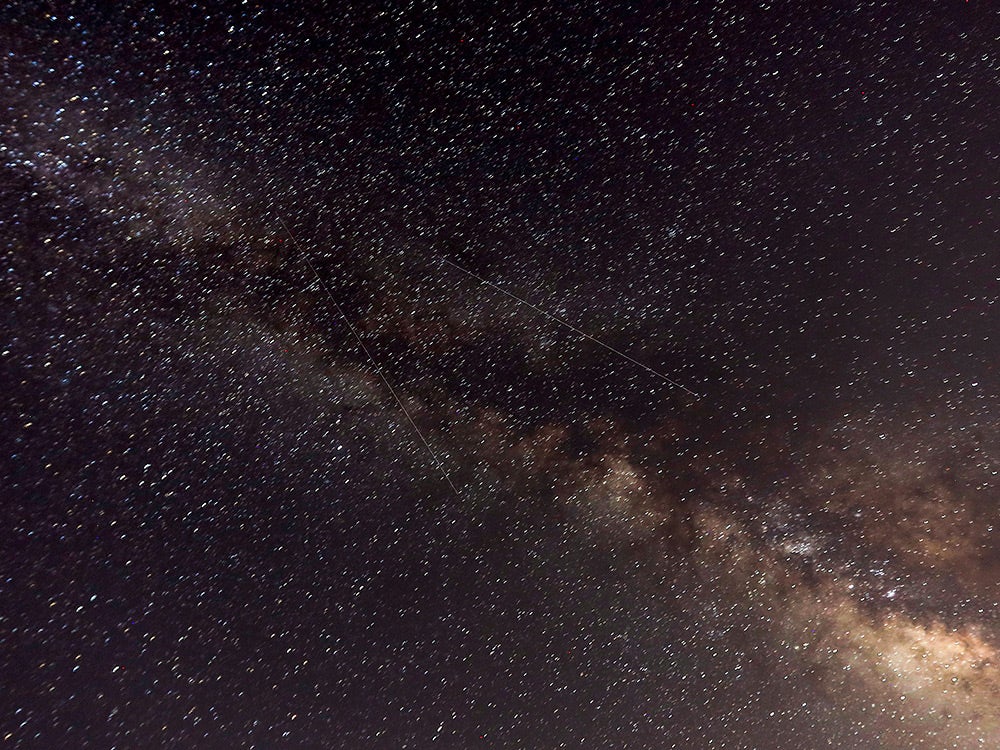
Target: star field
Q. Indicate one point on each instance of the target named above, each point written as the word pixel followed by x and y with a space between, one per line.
pixel 222 531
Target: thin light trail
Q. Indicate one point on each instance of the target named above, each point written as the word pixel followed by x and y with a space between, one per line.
pixel 371 358
pixel 572 327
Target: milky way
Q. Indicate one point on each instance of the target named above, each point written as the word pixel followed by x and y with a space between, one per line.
pixel 221 531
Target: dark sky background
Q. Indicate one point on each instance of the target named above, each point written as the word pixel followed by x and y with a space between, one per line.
pixel 219 530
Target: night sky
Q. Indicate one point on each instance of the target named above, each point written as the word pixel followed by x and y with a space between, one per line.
pixel 218 528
